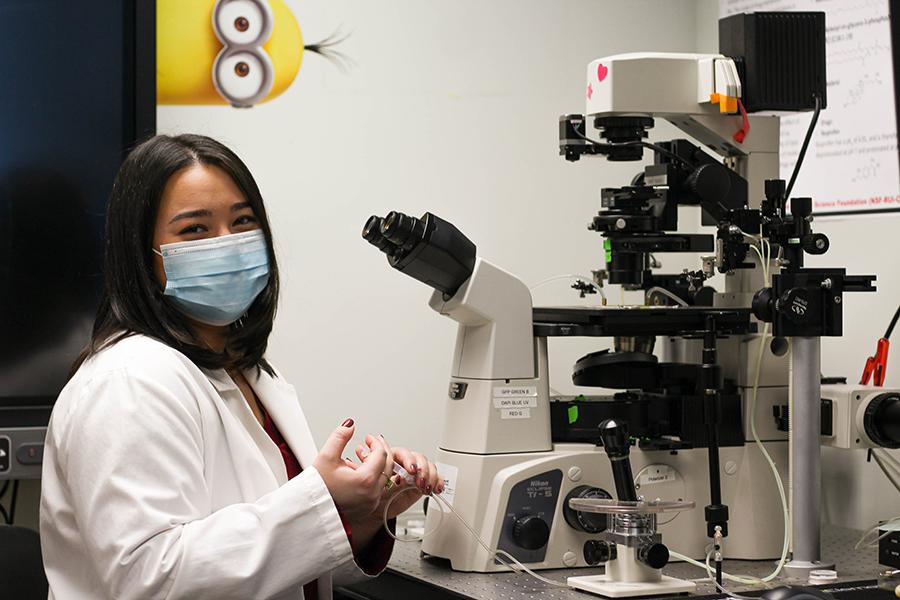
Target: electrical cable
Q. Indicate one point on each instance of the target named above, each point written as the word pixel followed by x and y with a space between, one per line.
pixel 718 585
pixel 800 157
pixel 890 329
pixel 12 502
pixel 3 511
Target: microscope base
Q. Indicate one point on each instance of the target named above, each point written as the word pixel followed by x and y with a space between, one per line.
pixel 600 584
pixel 802 568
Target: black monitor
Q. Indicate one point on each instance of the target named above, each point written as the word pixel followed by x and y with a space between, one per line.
pixel 79 91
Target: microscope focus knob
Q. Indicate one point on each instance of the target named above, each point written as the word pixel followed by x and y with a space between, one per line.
pixel 531 532
pixel 598 551
pixel 815 243
pixel 655 555
pixel 795 305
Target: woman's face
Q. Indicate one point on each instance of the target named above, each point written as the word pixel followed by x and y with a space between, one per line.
pixel 199 202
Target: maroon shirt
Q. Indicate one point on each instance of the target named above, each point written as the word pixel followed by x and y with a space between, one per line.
pixel 375 560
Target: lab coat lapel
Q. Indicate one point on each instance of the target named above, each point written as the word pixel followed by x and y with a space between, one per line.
pixel 280 400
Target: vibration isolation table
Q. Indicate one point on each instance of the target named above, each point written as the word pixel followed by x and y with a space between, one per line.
pixel 410 577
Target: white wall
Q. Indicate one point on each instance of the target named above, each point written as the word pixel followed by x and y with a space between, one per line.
pixel 451 108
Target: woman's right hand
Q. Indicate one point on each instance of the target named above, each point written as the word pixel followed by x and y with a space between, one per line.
pixel 356 490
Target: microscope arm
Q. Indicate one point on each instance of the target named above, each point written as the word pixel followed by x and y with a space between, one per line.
pixel 494 312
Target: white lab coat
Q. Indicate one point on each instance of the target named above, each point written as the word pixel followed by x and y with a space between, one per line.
pixel 158 482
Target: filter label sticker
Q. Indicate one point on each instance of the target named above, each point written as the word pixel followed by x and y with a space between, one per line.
pixel 656 474
pixel 515 402
pixel 521 391
pixel 515 413
pixel 450 474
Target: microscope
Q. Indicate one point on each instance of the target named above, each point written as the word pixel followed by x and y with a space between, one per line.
pixel 528 470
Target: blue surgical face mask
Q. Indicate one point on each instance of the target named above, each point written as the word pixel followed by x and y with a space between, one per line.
pixel 215 280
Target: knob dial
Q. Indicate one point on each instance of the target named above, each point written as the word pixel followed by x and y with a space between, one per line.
pixel 655 555
pixel 531 532
pixel 584 521
pixel 795 305
pixel 598 551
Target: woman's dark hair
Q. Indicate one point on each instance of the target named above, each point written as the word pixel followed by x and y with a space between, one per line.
pixel 133 301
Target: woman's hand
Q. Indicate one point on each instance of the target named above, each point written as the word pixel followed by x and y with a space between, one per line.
pixel 427 481
pixel 355 489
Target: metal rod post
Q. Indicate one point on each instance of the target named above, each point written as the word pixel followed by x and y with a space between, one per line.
pixel 806 469
pixel 716 513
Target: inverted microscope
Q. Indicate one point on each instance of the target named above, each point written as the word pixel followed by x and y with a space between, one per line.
pixel 704 419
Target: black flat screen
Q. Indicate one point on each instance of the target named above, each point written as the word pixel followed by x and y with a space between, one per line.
pixel 79 91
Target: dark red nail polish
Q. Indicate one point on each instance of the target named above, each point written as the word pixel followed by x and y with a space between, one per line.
pixel 428 489
pixel 347 423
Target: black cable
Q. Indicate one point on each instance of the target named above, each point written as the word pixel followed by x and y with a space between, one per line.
pixel 887 334
pixel 12 502
pixel 660 150
pixel 800 157
pixel 3 512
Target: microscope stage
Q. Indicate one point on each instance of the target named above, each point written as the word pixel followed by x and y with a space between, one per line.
pixel 686 321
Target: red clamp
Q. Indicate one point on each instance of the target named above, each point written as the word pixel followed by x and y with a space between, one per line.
pixel 876 365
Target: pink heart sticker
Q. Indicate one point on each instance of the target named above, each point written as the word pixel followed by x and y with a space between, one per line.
pixel 602 72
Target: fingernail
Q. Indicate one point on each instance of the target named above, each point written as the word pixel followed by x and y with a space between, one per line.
pixel 428 489
pixel 413 469
pixel 347 423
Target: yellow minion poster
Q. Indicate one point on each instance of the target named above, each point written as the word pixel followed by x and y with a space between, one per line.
pixel 237 52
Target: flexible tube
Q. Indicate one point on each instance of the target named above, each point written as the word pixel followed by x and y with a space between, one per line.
pixel 863 542
pixel 884 469
pixel 667 294
pixel 764 256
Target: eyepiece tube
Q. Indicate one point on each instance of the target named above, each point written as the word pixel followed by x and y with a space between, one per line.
pixel 428 249
pixel 372 233
pixel 402 230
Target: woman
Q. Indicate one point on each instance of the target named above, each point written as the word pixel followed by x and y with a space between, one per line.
pixel 178 463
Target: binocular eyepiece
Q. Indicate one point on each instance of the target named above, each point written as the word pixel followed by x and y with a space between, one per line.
pixel 393 232
pixel 428 249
